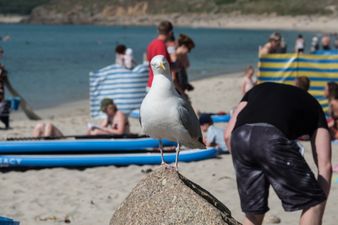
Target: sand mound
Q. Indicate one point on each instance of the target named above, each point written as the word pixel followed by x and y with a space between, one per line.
pixel 166 197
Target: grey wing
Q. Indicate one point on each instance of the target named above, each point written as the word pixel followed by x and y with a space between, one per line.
pixel 189 119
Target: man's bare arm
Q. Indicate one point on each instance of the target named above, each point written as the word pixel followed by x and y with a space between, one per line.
pixel 321 149
pixel 231 124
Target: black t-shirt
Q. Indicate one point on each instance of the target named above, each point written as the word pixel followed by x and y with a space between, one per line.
pixel 291 109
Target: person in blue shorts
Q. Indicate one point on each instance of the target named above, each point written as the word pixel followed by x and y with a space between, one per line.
pixel 261 137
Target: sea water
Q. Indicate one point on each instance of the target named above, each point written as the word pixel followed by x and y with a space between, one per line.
pixel 49 64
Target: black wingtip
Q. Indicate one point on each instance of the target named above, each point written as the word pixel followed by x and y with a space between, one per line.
pixel 139 120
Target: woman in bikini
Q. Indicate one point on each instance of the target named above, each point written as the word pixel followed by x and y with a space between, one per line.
pixel 115 123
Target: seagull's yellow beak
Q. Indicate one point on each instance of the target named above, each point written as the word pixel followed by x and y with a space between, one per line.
pixel 162 66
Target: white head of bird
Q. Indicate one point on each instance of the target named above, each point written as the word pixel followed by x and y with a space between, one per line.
pixel 160 66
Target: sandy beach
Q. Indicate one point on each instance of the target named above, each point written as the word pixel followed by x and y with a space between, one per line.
pixel 90 196
pixel 318 23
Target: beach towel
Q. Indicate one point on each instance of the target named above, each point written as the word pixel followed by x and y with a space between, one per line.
pixel 284 68
pixel 126 87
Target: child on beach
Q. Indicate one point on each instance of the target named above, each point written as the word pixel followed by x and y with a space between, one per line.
pixel 124 57
pixel 214 135
pixel 248 81
pixel 129 61
pixel 303 82
pixel 300 44
pixel 120 51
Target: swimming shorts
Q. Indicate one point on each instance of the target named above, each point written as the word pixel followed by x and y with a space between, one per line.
pixel 263 156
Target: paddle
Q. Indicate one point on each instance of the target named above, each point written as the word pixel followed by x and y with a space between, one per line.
pixel 24 105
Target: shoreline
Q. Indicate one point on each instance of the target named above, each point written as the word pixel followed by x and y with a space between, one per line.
pixel 316 23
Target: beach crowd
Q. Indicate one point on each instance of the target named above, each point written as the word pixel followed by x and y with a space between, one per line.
pixel 261 135
pixel 323 44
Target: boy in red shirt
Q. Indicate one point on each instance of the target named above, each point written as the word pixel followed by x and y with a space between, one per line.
pixel 158 46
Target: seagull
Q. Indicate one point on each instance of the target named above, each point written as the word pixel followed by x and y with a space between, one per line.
pixel 164 113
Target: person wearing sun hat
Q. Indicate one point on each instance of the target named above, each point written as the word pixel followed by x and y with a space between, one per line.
pixel 105 103
pixel 115 123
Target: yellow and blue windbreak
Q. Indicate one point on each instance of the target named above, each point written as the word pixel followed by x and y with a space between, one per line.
pixel 284 68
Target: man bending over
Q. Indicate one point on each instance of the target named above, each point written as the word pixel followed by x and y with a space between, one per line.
pixel 261 136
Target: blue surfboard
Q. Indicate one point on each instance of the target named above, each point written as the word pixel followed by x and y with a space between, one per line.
pixel 81 146
pixel 45 161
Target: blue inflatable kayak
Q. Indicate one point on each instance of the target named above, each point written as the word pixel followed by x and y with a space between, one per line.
pixel 44 161
pixel 215 118
pixel 80 146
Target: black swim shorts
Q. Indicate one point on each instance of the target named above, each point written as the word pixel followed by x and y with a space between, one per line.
pixel 262 155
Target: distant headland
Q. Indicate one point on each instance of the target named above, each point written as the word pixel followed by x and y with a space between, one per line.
pixel 265 14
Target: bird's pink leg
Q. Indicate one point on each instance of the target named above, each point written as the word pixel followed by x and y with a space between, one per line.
pixel 177 155
pixel 161 150
pixel 163 163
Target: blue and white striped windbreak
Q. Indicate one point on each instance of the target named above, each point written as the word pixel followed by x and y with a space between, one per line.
pixel 126 87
